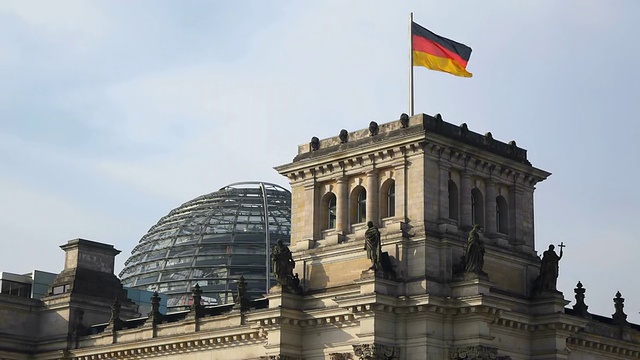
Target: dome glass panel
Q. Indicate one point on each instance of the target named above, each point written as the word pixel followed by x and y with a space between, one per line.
pixel 211 241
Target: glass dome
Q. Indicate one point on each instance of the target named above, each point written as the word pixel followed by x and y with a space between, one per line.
pixel 212 240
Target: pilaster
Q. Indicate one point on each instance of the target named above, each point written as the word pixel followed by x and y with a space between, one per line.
pixel 311 226
pixel 443 194
pixel 465 200
pixel 373 195
pixel 401 190
pixel 342 205
pixel 490 229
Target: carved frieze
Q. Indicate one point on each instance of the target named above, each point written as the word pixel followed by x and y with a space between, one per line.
pixel 341 356
pixel 478 352
pixel 376 352
pixel 280 357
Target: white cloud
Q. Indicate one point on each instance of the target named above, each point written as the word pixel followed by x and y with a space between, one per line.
pixel 82 18
pixel 34 223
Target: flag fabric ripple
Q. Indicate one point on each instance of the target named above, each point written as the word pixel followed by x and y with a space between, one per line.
pixel 439 53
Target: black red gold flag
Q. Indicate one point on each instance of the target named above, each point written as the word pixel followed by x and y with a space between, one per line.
pixel 439 53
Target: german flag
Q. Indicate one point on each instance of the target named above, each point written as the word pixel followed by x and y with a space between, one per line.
pixel 438 53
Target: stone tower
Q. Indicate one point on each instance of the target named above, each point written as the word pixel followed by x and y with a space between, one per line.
pixel 424 182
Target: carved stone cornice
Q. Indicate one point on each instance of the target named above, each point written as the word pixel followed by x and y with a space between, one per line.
pixel 478 352
pixel 376 352
pixel 615 349
pixel 341 356
pixel 280 357
pixel 169 348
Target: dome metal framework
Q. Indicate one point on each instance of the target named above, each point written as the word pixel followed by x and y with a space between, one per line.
pixel 211 241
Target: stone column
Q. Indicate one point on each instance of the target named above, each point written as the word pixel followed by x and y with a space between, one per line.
pixel 490 207
pixel 342 206
pixel 443 193
pixel 311 207
pixel 401 191
pixel 372 197
pixel 527 217
pixel 465 200
pixel 516 203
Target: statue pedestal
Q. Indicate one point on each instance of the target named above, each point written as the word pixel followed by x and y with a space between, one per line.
pixel 470 284
pixel 548 303
pixel 282 298
pixel 370 283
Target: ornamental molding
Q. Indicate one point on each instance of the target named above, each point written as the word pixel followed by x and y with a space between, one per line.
pixel 376 352
pixel 478 352
pixel 280 357
pixel 171 348
pixel 349 164
pixel 341 356
pixel 605 348
pixel 319 321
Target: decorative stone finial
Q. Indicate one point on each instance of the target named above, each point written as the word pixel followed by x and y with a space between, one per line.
pixel 154 317
pixel 464 130
pixel 488 139
pixel 404 120
pixel 115 323
pixel 619 317
pixel 242 298
pixel 344 136
pixel 197 308
pixel 315 143
pixel 580 307
pixel 373 128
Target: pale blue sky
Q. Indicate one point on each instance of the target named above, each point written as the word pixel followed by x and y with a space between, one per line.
pixel 112 113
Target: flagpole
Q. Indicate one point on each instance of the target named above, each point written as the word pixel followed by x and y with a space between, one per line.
pixel 411 65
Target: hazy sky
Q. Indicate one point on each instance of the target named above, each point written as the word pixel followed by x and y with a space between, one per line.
pixel 112 113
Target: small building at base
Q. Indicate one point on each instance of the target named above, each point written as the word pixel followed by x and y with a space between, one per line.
pixel 459 274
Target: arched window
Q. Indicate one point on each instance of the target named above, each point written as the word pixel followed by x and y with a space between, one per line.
pixel 362 206
pixel 358 207
pixel 477 209
pixel 388 202
pixel 391 200
pixel 502 215
pixel 328 212
pixel 453 200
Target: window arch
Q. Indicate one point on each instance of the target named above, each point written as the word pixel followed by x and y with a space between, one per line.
pixel 477 208
pixel 502 215
pixel 358 205
pixel 328 216
pixel 453 201
pixel 388 208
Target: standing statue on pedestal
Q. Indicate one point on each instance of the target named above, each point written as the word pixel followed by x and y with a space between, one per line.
pixel 282 266
pixel 549 269
pixel 282 262
pixel 373 246
pixel 474 253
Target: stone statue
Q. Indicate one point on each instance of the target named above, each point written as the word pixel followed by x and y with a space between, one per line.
pixel 373 246
pixel 548 277
pixel 474 253
pixel 282 263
